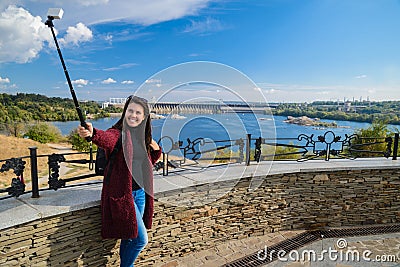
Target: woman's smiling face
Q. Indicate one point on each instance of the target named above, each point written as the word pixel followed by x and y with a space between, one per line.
pixel 134 114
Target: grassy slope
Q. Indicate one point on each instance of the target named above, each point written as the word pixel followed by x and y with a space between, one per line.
pixel 19 147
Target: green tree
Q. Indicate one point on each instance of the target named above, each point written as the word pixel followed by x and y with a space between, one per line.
pixel 15 128
pixel 28 107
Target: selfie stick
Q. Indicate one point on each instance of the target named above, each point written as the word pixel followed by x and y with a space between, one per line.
pixel 56 13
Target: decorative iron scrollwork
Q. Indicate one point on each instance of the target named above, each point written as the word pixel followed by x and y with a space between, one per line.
pixel 17 187
pixel 17 164
pixel 190 148
pixel 323 146
pixel 193 148
pixel 54 171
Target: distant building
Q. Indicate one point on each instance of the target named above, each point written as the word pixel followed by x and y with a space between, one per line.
pixel 114 101
pixel 347 106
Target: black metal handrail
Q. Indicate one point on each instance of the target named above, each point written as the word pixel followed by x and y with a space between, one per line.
pixel 18 185
pixel 328 145
pixel 194 152
pixel 302 148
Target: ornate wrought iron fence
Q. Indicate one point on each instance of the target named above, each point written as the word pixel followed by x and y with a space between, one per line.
pixel 17 165
pixel 326 146
pixel 303 148
pixel 198 151
pixel 192 153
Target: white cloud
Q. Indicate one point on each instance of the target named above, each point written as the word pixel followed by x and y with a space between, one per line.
pixel 92 2
pixel 271 91
pixel 77 34
pixel 207 26
pixel 109 38
pixel 80 82
pixel 108 81
pixel 120 67
pixel 156 82
pixel 22 35
pixel 127 82
pixel 153 81
pixel 361 76
pixel 4 80
pixel 143 12
pixel 323 93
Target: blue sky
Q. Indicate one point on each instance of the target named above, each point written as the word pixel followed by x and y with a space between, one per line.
pixel 293 50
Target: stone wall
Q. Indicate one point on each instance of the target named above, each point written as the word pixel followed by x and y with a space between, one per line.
pixel 72 239
pixel 308 200
pixel 304 200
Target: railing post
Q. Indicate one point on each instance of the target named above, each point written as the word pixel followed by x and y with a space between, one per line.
pixel 248 141
pixel 395 146
pixel 34 172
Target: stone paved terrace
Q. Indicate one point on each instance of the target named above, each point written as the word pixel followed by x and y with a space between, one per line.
pixel 372 251
pixel 384 246
pixel 25 209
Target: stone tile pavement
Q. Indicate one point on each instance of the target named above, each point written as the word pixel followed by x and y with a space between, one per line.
pixel 231 250
pixel 361 251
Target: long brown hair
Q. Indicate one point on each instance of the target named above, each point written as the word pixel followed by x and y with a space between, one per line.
pixel 143 102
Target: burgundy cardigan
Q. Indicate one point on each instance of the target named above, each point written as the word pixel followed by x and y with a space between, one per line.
pixel 117 208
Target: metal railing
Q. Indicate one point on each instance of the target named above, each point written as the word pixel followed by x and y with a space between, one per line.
pixel 18 185
pixel 302 148
pixel 192 153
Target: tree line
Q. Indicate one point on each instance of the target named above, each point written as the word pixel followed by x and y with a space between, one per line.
pixel 20 112
pixel 34 107
pixel 387 111
pixel 23 107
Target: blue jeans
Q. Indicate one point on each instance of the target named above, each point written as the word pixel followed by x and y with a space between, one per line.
pixel 130 248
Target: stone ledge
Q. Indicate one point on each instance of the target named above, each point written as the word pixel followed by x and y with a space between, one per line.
pixel 15 211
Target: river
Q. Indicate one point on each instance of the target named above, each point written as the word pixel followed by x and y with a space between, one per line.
pixel 225 126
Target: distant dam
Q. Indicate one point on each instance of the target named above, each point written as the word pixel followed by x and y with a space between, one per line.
pixel 200 108
pixel 208 108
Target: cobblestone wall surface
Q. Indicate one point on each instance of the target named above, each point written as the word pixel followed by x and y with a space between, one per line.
pixel 308 200
pixel 72 239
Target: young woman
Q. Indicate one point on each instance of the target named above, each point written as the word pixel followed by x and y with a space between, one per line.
pixel 127 201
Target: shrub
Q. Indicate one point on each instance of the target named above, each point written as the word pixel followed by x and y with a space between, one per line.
pixel 43 132
pixel 79 143
pixel 371 140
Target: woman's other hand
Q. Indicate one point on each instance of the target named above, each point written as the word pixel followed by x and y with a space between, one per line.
pixel 154 145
